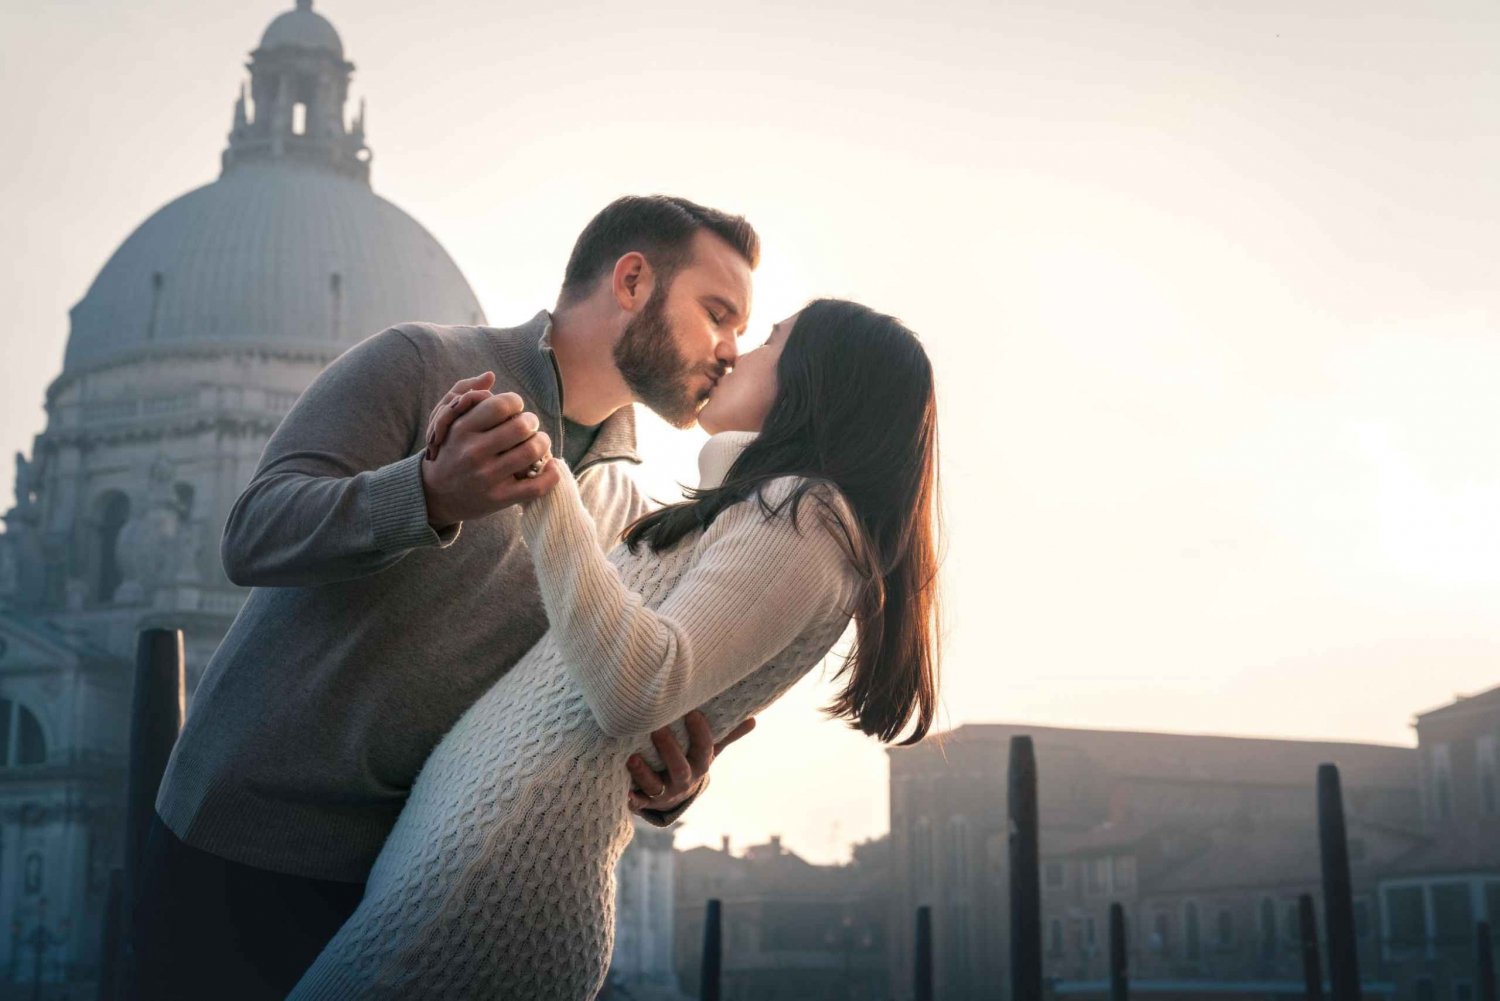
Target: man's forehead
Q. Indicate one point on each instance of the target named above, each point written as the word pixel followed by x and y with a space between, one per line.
pixel 719 269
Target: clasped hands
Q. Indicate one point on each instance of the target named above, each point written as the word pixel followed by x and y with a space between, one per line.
pixel 479 448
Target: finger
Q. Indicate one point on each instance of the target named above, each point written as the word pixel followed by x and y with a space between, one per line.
pixel 519 462
pixel 673 758
pixel 432 420
pixel 442 422
pixel 734 735
pixel 504 437
pixel 442 405
pixel 700 752
pixel 494 409
pixel 511 490
pixel 482 381
pixel 458 408
pixel 647 781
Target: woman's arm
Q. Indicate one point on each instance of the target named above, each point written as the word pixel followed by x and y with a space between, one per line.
pixel 757 584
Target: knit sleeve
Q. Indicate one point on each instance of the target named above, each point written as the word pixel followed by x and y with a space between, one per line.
pixel 757 582
pixel 338 492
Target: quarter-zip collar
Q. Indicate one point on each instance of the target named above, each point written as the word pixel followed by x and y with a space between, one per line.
pixel 526 352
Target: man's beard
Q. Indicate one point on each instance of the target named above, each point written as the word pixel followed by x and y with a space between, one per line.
pixel 654 369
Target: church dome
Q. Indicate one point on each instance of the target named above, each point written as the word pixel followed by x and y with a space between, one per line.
pixel 304 29
pixel 275 254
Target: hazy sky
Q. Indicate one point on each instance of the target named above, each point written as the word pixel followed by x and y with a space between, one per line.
pixel 1212 290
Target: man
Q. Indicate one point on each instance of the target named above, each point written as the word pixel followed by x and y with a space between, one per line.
pixel 391 587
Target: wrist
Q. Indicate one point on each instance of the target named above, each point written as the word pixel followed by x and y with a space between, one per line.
pixel 437 516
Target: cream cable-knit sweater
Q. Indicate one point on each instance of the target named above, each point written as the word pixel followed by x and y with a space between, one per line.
pixel 498 879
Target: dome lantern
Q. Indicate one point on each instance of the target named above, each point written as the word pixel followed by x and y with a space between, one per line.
pixel 299 84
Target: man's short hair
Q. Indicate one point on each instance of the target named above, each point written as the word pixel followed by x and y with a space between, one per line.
pixel 661 228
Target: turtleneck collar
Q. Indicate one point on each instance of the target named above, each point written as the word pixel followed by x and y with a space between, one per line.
pixel 718 454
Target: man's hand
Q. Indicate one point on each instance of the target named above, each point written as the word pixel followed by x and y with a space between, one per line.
pixel 480 446
pixel 669 789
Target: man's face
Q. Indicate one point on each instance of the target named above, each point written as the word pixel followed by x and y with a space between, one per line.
pixel 673 353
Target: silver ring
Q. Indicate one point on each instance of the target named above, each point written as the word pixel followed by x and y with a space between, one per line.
pixel 535 469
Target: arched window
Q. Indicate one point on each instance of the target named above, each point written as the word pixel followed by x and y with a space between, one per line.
pixel 921 847
pixel 33 874
pixel 958 852
pixel 113 511
pixel 21 739
pixel 1267 927
pixel 1192 942
pixel 184 493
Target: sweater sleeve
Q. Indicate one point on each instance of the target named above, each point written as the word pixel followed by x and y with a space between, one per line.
pixel 757 583
pixel 338 492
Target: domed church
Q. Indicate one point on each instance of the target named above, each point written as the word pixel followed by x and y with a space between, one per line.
pixel 183 355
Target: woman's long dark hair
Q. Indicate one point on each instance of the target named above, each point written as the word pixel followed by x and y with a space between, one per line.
pixel 855 407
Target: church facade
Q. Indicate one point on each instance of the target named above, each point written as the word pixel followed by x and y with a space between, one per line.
pixel 185 352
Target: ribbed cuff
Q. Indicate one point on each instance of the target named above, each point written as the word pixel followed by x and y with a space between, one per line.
pixel 398 509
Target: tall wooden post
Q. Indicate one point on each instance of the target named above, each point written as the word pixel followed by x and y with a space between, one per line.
pixel 1119 984
pixel 1486 962
pixel 713 953
pixel 157 706
pixel 1312 967
pixel 922 970
pixel 1025 879
pixel 1338 898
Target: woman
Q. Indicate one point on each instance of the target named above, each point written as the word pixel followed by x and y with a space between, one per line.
pixel 816 506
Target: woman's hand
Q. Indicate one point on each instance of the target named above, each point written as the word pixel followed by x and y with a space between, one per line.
pixel 495 454
pixel 666 790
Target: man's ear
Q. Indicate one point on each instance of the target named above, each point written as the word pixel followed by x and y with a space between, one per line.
pixel 632 281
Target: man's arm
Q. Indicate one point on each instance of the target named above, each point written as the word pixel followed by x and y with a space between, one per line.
pixel 338 493
pixel 343 490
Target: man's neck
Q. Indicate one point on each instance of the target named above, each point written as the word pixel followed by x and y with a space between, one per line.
pixel 583 344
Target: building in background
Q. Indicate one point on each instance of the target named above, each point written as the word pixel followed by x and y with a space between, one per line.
pixel 792 930
pixel 1207 842
pixel 643 967
pixel 1431 897
pixel 1171 825
pixel 184 354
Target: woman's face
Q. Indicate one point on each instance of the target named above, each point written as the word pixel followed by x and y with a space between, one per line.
pixel 745 395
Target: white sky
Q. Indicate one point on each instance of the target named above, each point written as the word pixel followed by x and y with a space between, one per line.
pixel 1211 289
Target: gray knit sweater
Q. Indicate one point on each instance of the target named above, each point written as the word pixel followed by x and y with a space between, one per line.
pixel 366 634
pixel 498 880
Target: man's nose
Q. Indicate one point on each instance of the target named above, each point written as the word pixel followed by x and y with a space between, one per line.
pixel 728 352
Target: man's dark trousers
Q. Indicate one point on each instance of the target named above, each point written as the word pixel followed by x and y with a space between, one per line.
pixel 208 928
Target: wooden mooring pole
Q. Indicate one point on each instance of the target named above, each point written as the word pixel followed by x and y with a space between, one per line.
pixel 711 982
pixel 1485 961
pixel 1338 899
pixel 157 706
pixel 922 968
pixel 1025 878
pixel 1312 967
pixel 1119 983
